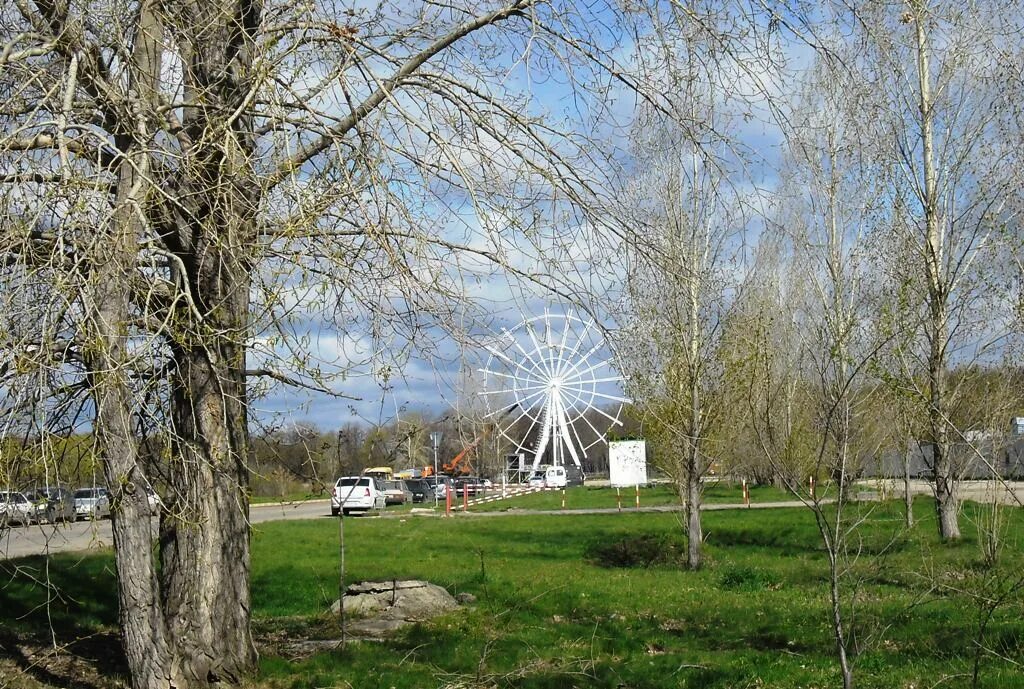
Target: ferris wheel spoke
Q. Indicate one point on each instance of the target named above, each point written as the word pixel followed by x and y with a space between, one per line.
pixel 583 360
pixel 563 361
pixel 504 357
pixel 575 350
pixel 606 415
pixel 577 397
pixel 500 374
pixel 609 379
pixel 563 429
pixel 595 393
pixel 524 411
pixel 537 349
pixel 576 433
pixel 533 422
pixel 579 375
pixel 542 386
pixel 545 436
pixel 523 404
pixel 590 423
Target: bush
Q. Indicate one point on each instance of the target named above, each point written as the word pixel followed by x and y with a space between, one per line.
pixel 645 550
pixel 745 578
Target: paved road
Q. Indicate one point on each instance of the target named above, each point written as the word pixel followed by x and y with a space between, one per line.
pixel 49 538
pixel 19 541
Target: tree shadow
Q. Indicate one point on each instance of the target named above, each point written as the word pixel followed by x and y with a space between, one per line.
pixel 61 616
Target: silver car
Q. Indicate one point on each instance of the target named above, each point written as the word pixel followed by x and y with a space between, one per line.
pixel 16 508
pixel 92 503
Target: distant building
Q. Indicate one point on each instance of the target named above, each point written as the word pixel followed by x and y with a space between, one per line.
pixel 980 455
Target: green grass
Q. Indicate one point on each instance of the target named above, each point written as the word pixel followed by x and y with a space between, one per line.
pixel 552 613
pixel 598 497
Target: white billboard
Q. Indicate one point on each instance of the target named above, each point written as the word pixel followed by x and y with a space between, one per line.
pixel 627 463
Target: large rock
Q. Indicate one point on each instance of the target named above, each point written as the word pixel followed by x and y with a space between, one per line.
pixel 409 600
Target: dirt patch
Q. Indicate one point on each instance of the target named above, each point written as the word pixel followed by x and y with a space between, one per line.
pixel 93 662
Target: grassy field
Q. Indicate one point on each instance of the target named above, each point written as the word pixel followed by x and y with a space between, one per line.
pixel 583 601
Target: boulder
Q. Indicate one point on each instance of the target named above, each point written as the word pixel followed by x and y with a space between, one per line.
pixel 410 600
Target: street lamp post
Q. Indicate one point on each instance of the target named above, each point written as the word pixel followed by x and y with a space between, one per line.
pixel 435 440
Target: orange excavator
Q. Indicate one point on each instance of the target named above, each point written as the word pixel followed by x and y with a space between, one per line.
pixel 461 464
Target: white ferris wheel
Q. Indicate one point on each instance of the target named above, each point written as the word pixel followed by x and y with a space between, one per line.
pixel 553 375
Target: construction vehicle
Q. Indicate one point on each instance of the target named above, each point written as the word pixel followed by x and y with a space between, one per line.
pixel 461 465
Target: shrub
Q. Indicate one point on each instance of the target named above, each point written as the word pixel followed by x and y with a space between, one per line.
pixel 745 578
pixel 645 550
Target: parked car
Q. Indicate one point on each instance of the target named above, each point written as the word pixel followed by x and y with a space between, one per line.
pixel 395 493
pixel 154 501
pixel 54 504
pixel 549 477
pixel 92 503
pixel 421 490
pixel 16 508
pixel 574 476
pixel 440 485
pixel 356 494
pixel 470 484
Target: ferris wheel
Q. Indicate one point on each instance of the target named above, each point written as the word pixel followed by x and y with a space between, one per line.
pixel 553 375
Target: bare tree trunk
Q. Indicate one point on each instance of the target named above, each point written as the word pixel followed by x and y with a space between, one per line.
pixel 908 498
pixel 695 534
pixel 206 538
pixel 938 292
pixel 149 652
pixel 838 628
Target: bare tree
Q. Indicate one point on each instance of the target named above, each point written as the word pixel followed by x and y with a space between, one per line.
pixel 934 70
pixel 686 214
pixel 830 202
pixel 188 188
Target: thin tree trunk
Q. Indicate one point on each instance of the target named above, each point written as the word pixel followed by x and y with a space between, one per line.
pixel 938 318
pixel 908 498
pixel 838 627
pixel 695 535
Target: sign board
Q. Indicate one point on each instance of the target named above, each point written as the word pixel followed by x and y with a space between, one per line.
pixel 627 463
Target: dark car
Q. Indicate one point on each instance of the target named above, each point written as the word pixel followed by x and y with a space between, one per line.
pixel 54 504
pixel 420 489
pixel 574 476
pixel 471 485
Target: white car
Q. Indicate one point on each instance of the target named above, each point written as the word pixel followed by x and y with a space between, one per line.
pixel 15 507
pixel 155 503
pixel 92 503
pixel 356 494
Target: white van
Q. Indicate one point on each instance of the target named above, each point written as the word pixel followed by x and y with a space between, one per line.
pixel 549 477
